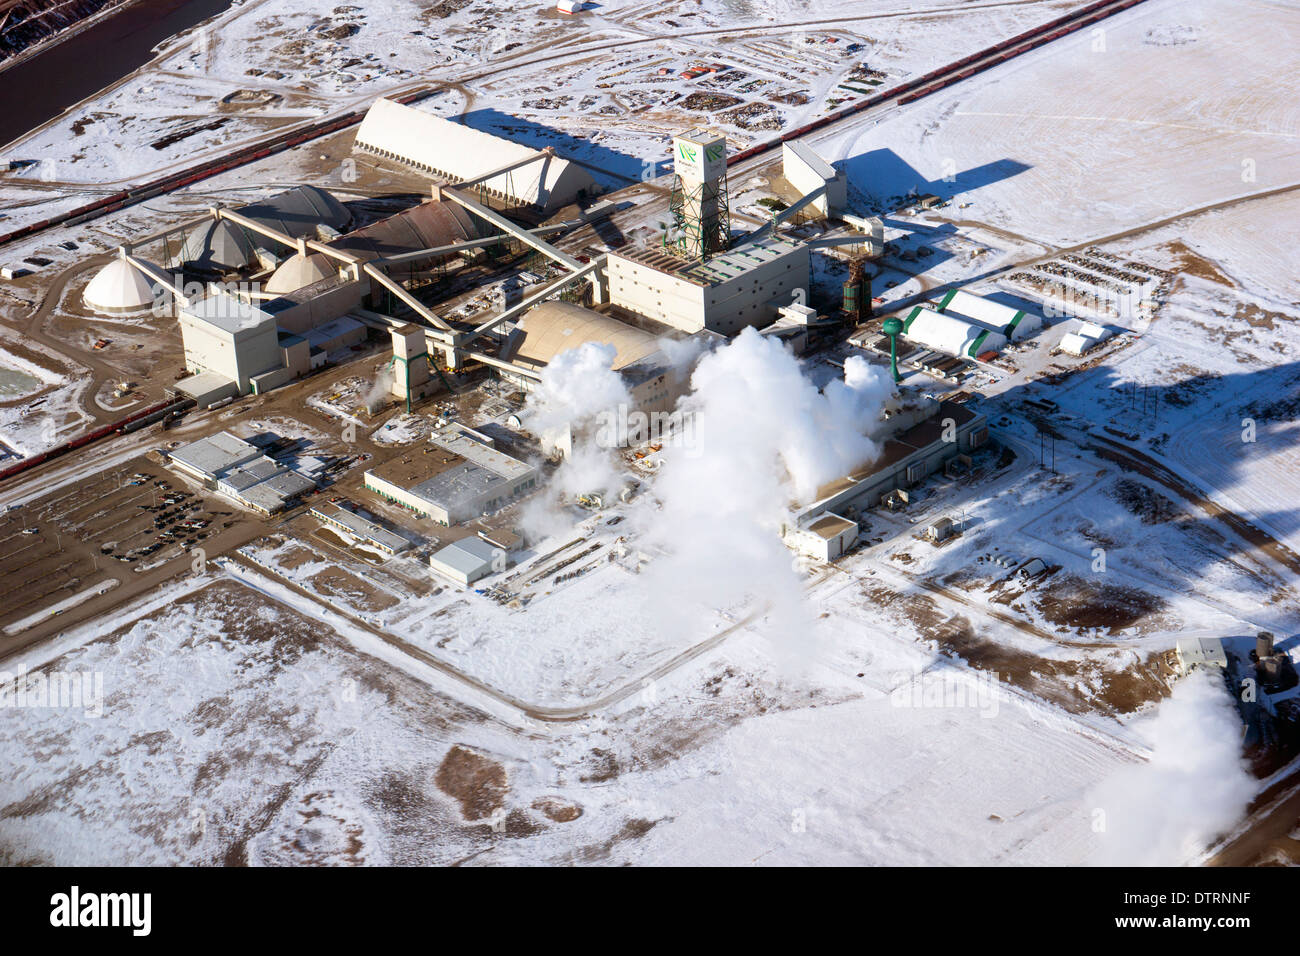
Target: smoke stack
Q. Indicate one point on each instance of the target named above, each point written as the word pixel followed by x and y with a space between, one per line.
pixel 1264 644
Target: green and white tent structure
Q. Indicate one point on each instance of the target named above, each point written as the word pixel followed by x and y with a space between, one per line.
pixel 950 333
pixel 1013 323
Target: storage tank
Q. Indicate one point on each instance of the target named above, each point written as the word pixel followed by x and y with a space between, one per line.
pixel 119 288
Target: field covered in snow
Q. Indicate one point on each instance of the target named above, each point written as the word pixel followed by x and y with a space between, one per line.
pixel 696 695
pixel 1162 109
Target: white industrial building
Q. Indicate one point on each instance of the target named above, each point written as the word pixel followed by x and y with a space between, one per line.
pixel 361 528
pixel 807 172
pixel 1014 324
pixel 458 153
pixel 740 287
pixel 211 457
pixel 233 347
pixel 824 538
pixel 468 560
pixel 1084 339
pixel 1200 652
pixel 915 443
pixel 950 333
pixel 458 476
pixel 239 470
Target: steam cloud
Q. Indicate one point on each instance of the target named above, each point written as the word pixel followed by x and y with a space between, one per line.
pixel 762 437
pixel 1194 787
pixel 766 436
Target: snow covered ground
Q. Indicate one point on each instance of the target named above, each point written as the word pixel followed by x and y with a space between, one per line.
pixel 1167 107
pixel 932 707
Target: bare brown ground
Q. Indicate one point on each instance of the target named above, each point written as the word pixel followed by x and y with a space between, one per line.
pixel 473 779
pixel 342 583
pixel 1117 691
pixel 1195 265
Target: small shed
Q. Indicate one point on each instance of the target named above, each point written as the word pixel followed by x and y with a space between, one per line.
pixel 1200 652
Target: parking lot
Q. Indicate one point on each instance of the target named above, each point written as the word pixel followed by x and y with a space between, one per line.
pixel 124 524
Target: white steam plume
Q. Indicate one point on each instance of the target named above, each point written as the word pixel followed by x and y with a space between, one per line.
pixel 1194 787
pixel 576 387
pixel 764 437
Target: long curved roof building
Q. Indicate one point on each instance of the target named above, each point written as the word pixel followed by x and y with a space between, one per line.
pixel 426 226
pixel 457 153
pixel 950 333
pixel 554 327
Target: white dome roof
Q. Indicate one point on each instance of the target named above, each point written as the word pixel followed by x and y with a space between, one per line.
pixel 119 287
pixel 298 272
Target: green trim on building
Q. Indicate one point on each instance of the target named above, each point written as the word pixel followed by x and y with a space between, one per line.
pixel 1011 326
pixel 947 297
pixel 907 323
pixel 974 349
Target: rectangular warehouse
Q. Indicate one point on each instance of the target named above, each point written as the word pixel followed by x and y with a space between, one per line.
pixel 453 480
pixel 459 153
pixel 228 337
pixel 906 459
pixel 740 287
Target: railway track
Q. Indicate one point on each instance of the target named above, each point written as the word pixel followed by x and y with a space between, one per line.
pixel 902 94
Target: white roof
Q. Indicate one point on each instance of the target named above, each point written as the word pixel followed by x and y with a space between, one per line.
pixel 805 154
pixel 119 287
pixel 1202 650
pixel 950 333
pixel 216 454
pixel 1077 344
pixel 461 153
pixel 985 311
pixel 499 463
pixel 228 313
pixel 469 557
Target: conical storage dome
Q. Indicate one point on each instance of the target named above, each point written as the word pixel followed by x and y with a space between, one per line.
pixel 298 272
pixel 118 288
pixel 217 246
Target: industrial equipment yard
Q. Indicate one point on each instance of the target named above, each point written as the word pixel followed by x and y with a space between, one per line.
pixel 712 433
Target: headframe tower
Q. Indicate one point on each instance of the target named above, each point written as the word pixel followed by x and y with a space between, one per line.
pixel 699 197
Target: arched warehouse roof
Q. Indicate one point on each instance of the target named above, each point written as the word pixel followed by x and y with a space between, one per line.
pixel 950 333
pixel 426 226
pixel 554 327
pixel 457 153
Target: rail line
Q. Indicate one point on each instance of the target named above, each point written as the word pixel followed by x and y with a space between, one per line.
pixel 903 94
pixel 123 426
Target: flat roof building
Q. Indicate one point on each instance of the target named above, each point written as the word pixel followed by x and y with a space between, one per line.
pixel 906 459
pixel 226 336
pixel 361 528
pixel 736 288
pixel 453 480
pixel 212 457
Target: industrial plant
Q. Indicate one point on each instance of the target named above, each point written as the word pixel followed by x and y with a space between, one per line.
pixel 597 434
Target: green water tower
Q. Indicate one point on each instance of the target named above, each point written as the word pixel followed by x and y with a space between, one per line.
pixel 892 328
